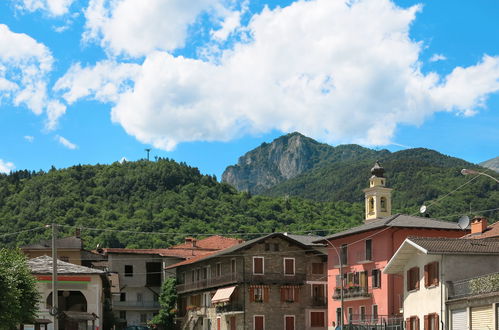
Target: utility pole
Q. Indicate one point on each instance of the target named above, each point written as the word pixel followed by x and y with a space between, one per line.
pixel 148 150
pixel 55 297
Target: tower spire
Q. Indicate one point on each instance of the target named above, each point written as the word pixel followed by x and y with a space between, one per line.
pixel 378 201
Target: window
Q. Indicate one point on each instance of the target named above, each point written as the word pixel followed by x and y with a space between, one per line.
pixel 155 297
pixel 375 313
pixel 258 265
pixel 413 279
pixel 143 318
pixel 289 293
pixel 369 255
pixel 338 316
pixel 258 322
pixel 218 270
pixel 317 319
pixel 289 322
pixel 350 314
pixel 371 205
pixel 128 270
pixel 258 295
pixel 431 322
pixel 276 247
pixel 123 315
pixel 362 312
pixel 153 274
pixel 382 203
pixel 139 297
pixel 123 296
pixel 376 278
pixel 232 266
pixel 289 266
pixel 344 254
pixel 317 268
pixel 412 323
pixel 431 274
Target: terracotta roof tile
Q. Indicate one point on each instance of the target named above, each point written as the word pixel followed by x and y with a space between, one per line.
pixel 439 245
pixel 490 231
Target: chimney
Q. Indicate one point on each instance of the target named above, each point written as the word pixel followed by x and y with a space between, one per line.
pixel 478 225
pixel 77 233
pixel 191 240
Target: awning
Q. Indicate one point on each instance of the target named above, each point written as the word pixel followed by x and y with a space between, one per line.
pixel 223 295
pixel 79 316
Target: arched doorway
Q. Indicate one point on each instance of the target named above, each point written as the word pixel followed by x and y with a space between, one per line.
pixel 73 301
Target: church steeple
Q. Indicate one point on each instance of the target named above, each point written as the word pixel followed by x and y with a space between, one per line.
pixel 377 197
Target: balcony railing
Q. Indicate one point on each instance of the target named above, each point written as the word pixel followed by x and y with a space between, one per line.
pixel 229 308
pixel 473 286
pixel 210 282
pixel 136 304
pixel 275 278
pixel 352 293
pixel 319 301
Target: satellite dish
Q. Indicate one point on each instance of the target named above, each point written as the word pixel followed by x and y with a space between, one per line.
pixel 463 222
pixel 422 209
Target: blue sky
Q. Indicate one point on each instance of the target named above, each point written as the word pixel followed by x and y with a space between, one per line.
pixel 86 82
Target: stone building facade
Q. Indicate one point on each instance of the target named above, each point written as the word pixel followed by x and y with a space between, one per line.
pixel 273 282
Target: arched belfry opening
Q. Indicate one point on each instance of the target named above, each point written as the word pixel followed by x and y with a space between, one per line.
pixel 378 202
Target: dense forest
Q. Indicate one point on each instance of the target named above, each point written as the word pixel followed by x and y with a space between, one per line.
pixel 163 197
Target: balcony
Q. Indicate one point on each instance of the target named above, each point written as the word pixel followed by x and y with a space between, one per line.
pixel 473 286
pixel 319 301
pixel 352 293
pixel 210 282
pixel 230 308
pixel 276 278
pixel 138 305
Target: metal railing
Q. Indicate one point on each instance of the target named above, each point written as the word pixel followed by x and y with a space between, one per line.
pixel 276 278
pixel 473 286
pixel 210 282
pixel 319 301
pixel 229 308
pixel 355 292
pixel 136 304
pixel 374 322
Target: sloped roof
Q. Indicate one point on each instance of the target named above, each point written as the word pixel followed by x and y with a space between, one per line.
pixel 489 232
pixel 215 242
pixel 43 265
pixel 71 242
pixel 306 239
pixel 244 245
pixel 439 246
pixel 397 220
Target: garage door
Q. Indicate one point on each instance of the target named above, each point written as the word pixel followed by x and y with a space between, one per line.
pixel 459 320
pixel 482 318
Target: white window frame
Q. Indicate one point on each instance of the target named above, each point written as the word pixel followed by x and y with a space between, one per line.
pixel 263 265
pixel 372 312
pixel 350 313
pixel 254 322
pixel 294 321
pixel 284 266
pixel 362 317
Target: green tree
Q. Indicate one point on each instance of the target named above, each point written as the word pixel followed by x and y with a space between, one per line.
pixel 167 300
pixel 18 293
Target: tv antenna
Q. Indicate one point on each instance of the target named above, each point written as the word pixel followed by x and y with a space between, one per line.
pixel 148 150
pixel 463 222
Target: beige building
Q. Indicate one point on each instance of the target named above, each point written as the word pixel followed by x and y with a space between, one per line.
pixel 80 294
pixel 429 267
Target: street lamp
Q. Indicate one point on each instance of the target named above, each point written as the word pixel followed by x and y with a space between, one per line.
pixel 465 171
pixel 341 279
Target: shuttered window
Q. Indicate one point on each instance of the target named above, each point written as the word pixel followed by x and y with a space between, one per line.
pixel 317 268
pixel 482 318
pixel 413 279
pixel 259 322
pixel 459 319
pixel 412 323
pixel 431 322
pixel 289 266
pixel 317 319
pixel 431 274
pixel 258 264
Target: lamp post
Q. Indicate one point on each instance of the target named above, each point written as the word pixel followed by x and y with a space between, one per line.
pixel 341 279
pixel 465 171
pixel 55 297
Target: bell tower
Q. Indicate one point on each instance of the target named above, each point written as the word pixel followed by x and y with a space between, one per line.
pixel 378 199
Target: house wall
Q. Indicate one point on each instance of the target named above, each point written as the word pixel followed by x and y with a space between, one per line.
pixel 459 267
pixel 385 242
pixel 91 290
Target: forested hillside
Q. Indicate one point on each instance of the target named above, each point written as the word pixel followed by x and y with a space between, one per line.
pixel 162 196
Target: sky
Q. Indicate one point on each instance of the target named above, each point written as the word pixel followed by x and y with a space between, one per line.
pixel 205 81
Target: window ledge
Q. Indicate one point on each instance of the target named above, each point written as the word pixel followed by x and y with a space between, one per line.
pixel 365 262
pixel 413 290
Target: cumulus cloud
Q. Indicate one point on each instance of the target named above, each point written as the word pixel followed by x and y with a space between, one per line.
pixel 55 110
pixel 137 27
pixel 29 138
pixel 339 71
pixel 51 7
pixel 437 57
pixel 65 142
pixel 24 65
pixel 6 167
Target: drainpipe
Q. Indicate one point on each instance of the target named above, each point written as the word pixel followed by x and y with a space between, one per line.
pixel 244 295
pixel 443 296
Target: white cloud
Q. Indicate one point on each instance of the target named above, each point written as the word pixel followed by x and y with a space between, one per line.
pixel 437 57
pixel 65 142
pixel 103 82
pixel 55 110
pixel 51 7
pixel 339 71
pixel 24 65
pixel 6 167
pixel 137 27
pixel 29 138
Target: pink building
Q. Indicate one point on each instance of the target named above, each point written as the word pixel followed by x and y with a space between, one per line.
pixel 369 296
